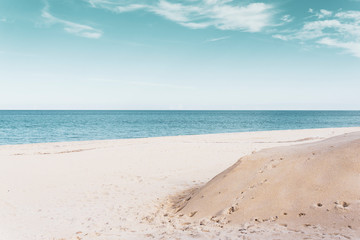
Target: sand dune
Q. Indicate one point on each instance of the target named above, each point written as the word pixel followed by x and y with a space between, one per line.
pixel 301 186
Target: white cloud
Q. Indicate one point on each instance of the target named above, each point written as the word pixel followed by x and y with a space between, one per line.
pixel 221 14
pixel 195 25
pixel 281 37
pixel 3 19
pixel 324 13
pixel 352 15
pixel 71 27
pixel 287 18
pixel 340 30
pixel 350 47
pixel 217 39
pixel 130 8
pixel 175 11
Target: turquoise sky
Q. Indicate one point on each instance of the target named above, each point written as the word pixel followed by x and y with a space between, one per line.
pixel 190 54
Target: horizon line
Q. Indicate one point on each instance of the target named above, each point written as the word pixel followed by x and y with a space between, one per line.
pixel 179 110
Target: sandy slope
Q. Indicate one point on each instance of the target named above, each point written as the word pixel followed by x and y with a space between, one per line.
pixel 302 186
pixel 119 189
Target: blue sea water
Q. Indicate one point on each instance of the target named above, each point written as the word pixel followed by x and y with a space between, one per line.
pixel 18 127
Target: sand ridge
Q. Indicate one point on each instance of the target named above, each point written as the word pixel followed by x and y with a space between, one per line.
pixel 301 186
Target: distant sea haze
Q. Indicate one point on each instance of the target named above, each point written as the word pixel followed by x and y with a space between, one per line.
pixel 20 127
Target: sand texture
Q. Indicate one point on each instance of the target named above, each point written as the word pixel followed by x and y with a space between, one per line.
pixel 132 188
pixel 302 186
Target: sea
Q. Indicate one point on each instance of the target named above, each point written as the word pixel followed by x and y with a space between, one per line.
pixel 22 127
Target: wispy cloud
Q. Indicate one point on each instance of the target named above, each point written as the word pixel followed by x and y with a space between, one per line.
pixel 324 13
pixel 197 14
pixel 339 30
pixel 287 18
pixel 217 39
pixel 71 27
pixel 351 47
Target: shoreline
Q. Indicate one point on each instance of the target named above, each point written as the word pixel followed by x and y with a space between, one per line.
pixel 174 136
pixel 115 189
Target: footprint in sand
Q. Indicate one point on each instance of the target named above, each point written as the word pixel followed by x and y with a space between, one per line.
pixel 233 208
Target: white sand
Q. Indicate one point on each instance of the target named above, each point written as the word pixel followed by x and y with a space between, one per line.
pixel 115 189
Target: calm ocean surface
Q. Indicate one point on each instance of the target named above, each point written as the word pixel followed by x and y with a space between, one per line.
pixel 17 127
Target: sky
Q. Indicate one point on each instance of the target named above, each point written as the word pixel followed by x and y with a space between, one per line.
pixel 180 55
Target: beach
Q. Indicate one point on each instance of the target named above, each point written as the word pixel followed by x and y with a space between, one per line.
pixel 127 188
